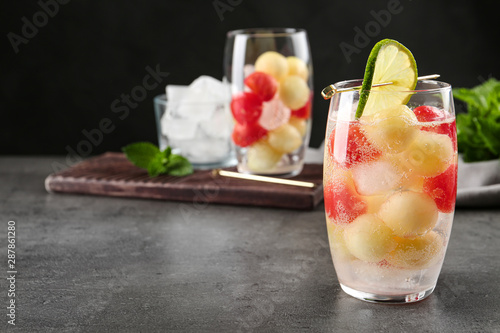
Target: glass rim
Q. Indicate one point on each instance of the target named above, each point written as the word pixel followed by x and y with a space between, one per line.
pixel 440 86
pixel 266 32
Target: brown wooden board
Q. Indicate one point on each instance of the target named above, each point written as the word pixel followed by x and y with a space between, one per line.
pixel 111 174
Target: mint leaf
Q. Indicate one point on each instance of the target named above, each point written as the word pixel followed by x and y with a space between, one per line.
pixel 158 164
pixel 167 151
pixel 147 156
pixel 141 153
pixel 179 166
pixel 490 134
pixel 478 131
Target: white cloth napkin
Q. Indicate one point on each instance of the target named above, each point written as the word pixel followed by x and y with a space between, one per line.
pixel 478 182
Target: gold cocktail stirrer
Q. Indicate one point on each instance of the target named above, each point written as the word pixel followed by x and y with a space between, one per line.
pixel 262 178
pixel 331 90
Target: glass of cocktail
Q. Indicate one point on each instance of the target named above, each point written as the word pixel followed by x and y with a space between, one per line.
pixel 390 169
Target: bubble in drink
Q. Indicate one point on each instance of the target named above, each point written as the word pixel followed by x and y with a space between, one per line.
pixel 416 253
pixel 376 177
pixel 342 203
pixel 349 146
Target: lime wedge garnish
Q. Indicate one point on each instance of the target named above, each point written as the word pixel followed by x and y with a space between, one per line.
pixel 389 61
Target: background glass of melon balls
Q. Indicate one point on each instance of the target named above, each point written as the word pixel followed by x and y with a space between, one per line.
pixel 269 72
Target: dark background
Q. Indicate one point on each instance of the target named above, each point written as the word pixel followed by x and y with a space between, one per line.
pixel 64 79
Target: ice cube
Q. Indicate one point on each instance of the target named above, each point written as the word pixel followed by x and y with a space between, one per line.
pixel 209 89
pixel 178 128
pixel 194 111
pixel 219 125
pixel 202 98
pixel 376 177
pixel 207 150
pixel 248 69
pixel 274 114
pixel 175 92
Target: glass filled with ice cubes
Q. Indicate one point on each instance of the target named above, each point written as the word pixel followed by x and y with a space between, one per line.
pixel 269 72
pixel 196 122
pixel 389 191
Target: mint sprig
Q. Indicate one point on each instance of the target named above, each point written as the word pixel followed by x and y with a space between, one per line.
pixel 478 130
pixel 148 156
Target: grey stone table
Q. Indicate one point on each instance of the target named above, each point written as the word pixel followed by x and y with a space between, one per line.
pixel 97 264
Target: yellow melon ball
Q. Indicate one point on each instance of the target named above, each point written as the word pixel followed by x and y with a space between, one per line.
pixel 409 214
pixel 429 154
pixel 417 253
pixel 294 92
pixel 412 182
pixel 391 129
pixel 297 66
pixel 261 157
pixel 285 138
pixel 272 63
pixel 299 124
pixel 336 240
pixel 368 238
pixel 373 203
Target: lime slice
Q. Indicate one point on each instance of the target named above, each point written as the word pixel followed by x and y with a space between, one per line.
pixel 389 61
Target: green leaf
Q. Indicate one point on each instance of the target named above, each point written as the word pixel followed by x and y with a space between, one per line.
pixel 167 151
pixel 478 131
pixel 141 153
pixel 157 165
pixel 484 97
pixel 476 155
pixel 490 134
pixel 147 156
pixel 179 166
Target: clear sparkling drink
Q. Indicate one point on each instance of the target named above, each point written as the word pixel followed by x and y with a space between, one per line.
pixel 389 190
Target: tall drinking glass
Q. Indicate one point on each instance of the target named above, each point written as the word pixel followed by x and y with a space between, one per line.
pixel 270 75
pixel 389 189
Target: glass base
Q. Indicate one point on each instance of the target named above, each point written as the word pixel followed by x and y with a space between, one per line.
pixel 286 172
pixel 389 299
pixel 288 166
pixel 230 162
